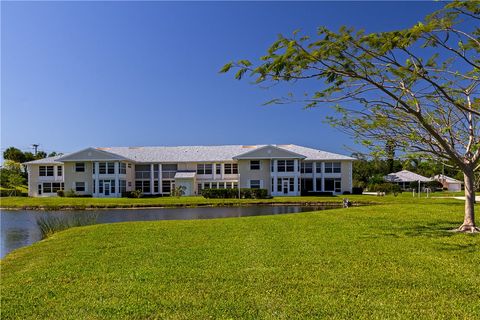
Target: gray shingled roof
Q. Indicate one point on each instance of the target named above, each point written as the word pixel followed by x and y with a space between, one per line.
pixel 210 153
pixel 406 176
pixel 199 153
pixel 448 179
pixel 49 160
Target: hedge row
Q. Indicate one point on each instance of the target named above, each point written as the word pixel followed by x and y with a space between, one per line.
pixel 233 193
pixel 12 193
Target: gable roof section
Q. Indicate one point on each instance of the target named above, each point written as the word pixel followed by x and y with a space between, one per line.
pixel 405 176
pixel 270 152
pixel 91 154
pixel 314 154
pixel 49 160
pixel 442 177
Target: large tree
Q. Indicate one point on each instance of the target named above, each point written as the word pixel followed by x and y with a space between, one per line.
pixel 14 154
pixel 418 86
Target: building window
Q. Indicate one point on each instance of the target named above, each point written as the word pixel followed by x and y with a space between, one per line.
pixel 166 186
pixel 307 167
pixel 204 168
pixel 333 184
pixel 123 186
pixel 45 171
pixel 102 168
pixel 129 183
pixel 319 184
pixel 51 187
pixel 307 184
pixel 318 168
pixel 285 165
pixel 122 169
pixel 111 168
pixel 142 171
pixel 333 167
pixel 47 188
pixel 142 185
pixel 155 186
pixel 254 164
pixel 218 168
pixel 255 184
pixel 231 168
pixel 80 186
pixel 59 171
pixel 80 167
pixel 291 183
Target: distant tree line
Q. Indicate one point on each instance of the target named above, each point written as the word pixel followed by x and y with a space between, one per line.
pixel 370 171
pixel 13 173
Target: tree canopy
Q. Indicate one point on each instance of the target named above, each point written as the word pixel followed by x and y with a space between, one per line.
pixel 418 87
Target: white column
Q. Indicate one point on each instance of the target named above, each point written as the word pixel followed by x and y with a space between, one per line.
pixel 159 178
pixel 275 176
pixel 323 175
pixel 97 183
pixel 117 178
pixel 222 170
pixel 314 170
pixel 151 177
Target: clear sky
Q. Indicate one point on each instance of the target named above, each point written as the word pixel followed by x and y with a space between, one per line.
pixel 75 75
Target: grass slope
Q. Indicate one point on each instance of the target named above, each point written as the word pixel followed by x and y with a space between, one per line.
pixel 380 262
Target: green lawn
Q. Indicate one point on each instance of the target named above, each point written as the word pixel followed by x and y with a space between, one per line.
pixel 82 203
pixel 379 262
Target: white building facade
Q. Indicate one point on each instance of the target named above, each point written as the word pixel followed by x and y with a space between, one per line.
pixel 284 170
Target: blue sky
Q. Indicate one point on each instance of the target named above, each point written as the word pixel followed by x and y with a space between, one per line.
pixel 76 74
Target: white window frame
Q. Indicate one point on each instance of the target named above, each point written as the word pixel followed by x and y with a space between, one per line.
pixel 259 165
pixel 77 186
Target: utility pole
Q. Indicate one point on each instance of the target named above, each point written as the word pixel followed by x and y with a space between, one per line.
pixel 35 146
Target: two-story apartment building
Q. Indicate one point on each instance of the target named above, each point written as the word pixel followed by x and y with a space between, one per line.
pixel 288 170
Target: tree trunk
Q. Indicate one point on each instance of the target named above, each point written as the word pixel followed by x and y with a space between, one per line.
pixel 469 219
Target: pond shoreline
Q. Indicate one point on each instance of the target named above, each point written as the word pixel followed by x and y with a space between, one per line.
pixel 181 205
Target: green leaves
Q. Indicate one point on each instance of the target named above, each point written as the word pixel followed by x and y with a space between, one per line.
pixel 226 67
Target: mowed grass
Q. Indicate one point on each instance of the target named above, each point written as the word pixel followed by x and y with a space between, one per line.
pixel 53 203
pixel 379 262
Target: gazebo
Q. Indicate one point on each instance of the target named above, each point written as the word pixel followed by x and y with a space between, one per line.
pixel 404 177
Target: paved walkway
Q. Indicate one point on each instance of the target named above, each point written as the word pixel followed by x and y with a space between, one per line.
pixel 477 198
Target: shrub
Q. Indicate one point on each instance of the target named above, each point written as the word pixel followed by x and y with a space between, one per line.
pixel 245 193
pixel 70 193
pixel 346 192
pixel 385 187
pixel 136 193
pixel 434 185
pixel 357 190
pixel 178 191
pixel 60 193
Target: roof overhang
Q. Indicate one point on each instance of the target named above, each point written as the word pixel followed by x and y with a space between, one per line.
pixel 269 152
pixel 92 154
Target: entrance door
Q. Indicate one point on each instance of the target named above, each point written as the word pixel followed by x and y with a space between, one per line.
pixel 106 188
pixel 285 186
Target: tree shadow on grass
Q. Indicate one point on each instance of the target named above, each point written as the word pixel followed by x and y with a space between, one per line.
pixel 458 247
pixel 440 229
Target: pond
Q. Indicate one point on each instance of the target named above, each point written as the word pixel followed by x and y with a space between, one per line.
pixel 19 228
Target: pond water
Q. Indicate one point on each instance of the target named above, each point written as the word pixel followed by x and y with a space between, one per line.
pixel 19 228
